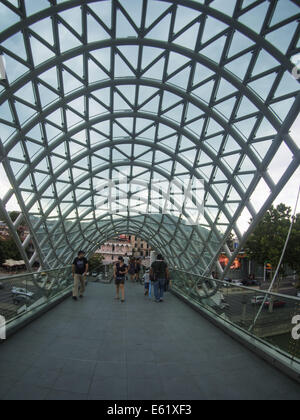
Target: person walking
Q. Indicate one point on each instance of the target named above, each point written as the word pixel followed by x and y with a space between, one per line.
pixel 131 271
pixel 138 270
pixel 159 275
pixel 146 279
pixel 126 259
pixel 126 262
pixel 80 268
pixel 120 271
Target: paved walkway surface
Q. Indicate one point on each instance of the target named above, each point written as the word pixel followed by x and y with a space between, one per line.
pixel 99 348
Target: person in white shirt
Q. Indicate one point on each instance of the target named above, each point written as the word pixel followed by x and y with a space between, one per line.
pixel 147 282
pixel 126 262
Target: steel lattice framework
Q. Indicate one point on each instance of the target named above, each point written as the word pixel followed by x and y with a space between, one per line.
pixel 148 89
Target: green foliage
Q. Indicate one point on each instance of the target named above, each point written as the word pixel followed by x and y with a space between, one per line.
pixel 230 241
pixel 266 243
pixel 9 250
pixel 293 250
pixel 14 215
pixel 95 262
pixel 2 254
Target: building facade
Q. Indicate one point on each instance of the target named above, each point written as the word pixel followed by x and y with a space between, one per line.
pixel 123 245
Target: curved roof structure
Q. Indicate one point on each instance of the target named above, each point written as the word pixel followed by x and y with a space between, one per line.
pixel 149 91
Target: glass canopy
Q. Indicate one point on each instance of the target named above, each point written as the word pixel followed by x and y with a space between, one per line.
pixel 146 90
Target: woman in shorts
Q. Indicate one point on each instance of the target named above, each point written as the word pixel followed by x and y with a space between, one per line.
pixel 120 271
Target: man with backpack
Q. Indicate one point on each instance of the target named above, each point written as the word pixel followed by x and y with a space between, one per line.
pixel 159 275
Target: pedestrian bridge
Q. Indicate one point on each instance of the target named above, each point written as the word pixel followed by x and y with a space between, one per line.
pixel 99 348
pixel 172 120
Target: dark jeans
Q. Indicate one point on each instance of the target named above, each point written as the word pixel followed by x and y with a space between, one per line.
pixel 159 288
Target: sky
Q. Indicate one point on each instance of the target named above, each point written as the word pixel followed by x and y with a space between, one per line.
pixel 213 51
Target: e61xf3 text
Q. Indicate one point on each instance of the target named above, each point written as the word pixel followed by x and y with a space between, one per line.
pixel 171 410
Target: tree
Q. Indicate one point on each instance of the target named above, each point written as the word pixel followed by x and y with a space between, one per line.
pixel 2 254
pixel 230 241
pixel 266 243
pixel 9 250
pixel 14 215
pixel 95 262
pixel 293 250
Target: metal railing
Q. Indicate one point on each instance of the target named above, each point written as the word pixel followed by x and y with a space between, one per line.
pixel 265 318
pixel 102 273
pixel 29 293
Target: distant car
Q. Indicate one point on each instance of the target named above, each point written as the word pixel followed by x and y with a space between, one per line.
pixel 236 283
pixel 251 283
pixel 276 304
pixel 257 300
pixel 226 282
pixel 94 274
pixel 20 291
pixel 17 299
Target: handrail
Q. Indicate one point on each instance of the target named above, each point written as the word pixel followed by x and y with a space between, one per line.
pixel 235 307
pixel 27 294
pixel 233 285
pixel 16 276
